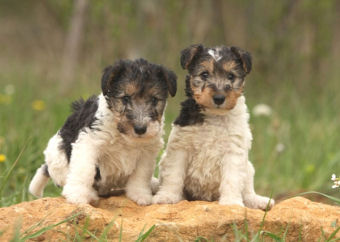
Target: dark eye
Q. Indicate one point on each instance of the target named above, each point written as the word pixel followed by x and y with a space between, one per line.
pixel 204 75
pixel 154 101
pixel 126 99
pixel 231 76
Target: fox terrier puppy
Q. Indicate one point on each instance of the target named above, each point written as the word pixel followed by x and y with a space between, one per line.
pixel 207 154
pixel 111 141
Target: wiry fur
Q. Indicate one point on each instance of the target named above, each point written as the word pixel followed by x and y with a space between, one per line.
pixel 102 157
pixel 207 153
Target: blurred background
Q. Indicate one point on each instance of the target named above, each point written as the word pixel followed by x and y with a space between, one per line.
pixel 54 51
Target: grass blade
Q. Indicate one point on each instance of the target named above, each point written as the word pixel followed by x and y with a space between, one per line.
pixel 103 236
pixel 6 177
pixel 334 199
pixel 285 233
pixel 16 234
pixel 142 236
pixel 330 238
pixel 47 228
pixel 272 235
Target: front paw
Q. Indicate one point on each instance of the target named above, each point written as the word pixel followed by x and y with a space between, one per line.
pixel 259 202
pixel 140 198
pixel 79 194
pixel 166 198
pixel 231 201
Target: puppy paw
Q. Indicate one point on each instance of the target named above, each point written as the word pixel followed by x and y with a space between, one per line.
pixel 141 199
pixel 79 194
pixel 230 201
pixel 259 202
pixel 166 198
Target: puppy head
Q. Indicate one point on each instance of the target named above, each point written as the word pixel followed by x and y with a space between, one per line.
pixel 136 92
pixel 216 75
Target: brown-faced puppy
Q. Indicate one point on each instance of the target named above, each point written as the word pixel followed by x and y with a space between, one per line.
pixel 207 153
pixel 111 141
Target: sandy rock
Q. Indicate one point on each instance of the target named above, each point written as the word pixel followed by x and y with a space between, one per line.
pixel 183 221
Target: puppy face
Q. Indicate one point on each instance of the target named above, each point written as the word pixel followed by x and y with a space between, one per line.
pixel 216 75
pixel 136 92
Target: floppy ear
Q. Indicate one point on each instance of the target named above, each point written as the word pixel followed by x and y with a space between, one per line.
pixel 110 75
pixel 244 57
pixel 188 55
pixel 170 79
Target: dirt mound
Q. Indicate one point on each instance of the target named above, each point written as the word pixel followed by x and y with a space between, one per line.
pixel 298 217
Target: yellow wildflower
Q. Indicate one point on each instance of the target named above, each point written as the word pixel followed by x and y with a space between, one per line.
pixel 5 99
pixel 38 105
pixel 2 157
pixel 310 168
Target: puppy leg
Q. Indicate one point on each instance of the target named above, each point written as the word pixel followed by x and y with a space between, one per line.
pixel 172 175
pixel 79 182
pixel 250 198
pixel 39 181
pixel 138 187
pixel 233 174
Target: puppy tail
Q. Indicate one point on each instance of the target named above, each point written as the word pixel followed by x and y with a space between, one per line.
pixel 39 181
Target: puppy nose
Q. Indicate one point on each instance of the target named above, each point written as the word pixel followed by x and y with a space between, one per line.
pixel 218 99
pixel 140 129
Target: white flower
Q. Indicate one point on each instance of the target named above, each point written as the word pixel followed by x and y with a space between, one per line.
pixel 280 147
pixel 333 177
pixel 262 110
pixel 336 181
pixel 9 89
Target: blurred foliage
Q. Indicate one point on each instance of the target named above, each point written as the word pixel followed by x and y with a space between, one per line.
pixel 295 46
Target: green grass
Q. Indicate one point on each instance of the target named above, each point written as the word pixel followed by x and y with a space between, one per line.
pixel 81 233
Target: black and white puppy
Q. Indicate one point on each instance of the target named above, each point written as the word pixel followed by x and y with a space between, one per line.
pixel 111 141
pixel 210 140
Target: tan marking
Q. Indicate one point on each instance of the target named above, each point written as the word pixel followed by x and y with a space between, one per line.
pixel 208 65
pixel 229 66
pixel 130 89
pixel 203 97
pixel 232 97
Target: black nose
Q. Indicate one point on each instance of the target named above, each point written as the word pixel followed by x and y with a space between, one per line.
pixel 218 99
pixel 140 129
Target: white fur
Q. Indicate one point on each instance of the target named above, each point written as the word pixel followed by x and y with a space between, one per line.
pixel 124 162
pixel 38 183
pixel 215 53
pixel 210 161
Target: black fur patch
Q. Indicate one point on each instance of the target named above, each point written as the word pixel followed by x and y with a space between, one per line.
pixel 97 177
pixel 190 114
pixel 83 116
pixel 46 171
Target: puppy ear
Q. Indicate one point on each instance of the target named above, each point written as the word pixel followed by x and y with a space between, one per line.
pixel 188 55
pixel 110 75
pixel 244 57
pixel 170 78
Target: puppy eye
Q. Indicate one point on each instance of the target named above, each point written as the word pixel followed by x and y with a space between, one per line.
pixel 231 76
pixel 126 99
pixel 154 101
pixel 204 75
